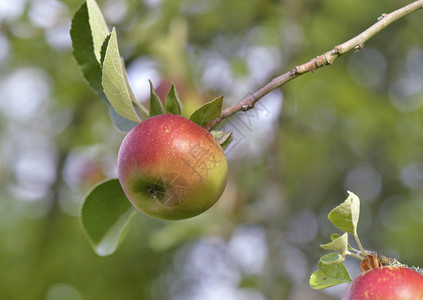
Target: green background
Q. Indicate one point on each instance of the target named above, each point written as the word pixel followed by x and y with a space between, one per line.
pixel 356 125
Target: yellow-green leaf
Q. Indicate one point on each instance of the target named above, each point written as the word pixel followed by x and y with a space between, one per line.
pixel 345 216
pixel 116 85
pixel 329 275
pixel 98 27
pixel 337 244
pixel 332 258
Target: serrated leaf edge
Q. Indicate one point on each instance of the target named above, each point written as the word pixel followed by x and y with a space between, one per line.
pixel 119 71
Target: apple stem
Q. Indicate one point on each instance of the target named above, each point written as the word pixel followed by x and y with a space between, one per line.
pixel 358 252
pixel 355 255
pixel 360 246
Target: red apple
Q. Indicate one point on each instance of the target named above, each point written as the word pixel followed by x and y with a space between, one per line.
pixel 171 168
pixel 386 283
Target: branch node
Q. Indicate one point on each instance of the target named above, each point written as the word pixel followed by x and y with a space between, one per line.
pixel 325 60
pixel 358 47
pixel 321 61
pixel 313 65
pixel 293 71
pixel 335 50
pixel 246 107
pixel 330 57
pixel 381 17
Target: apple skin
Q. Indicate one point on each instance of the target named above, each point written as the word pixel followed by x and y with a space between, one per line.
pixel 171 168
pixel 386 283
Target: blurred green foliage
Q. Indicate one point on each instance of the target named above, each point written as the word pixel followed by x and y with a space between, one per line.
pixel 354 125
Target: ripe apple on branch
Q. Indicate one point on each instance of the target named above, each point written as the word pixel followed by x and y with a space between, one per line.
pixel 386 283
pixel 172 167
pixel 382 278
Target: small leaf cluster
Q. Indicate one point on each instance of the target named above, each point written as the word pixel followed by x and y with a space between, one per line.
pixel 106 212
pixel 331 268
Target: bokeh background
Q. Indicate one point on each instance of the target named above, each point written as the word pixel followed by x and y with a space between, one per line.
pixel 356 125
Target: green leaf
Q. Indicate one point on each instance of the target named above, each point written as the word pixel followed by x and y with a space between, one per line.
pixel 329 275
pixel 156 107
pixel 345 216
pixel 116 85
pixel 98 27
pixel 104 48
pixel 122 124
pixel 173 103
pixel 339 243
pixel 227 142
pixel 106 214
pixel 208 112
pixel 88 32
pixel 332 258
pixel 223 138
pixel 335 236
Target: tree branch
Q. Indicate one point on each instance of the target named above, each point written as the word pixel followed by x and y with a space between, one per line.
pixel 325 59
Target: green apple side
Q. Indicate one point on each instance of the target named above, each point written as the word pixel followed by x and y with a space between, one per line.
pixel 171 168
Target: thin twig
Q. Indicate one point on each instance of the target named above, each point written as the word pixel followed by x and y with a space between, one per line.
pixel 325 59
